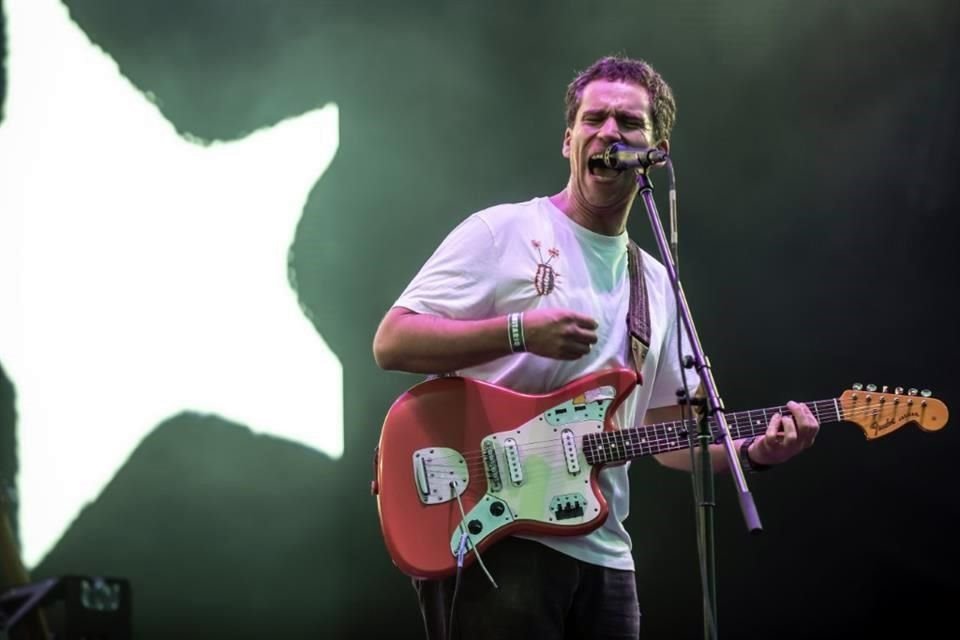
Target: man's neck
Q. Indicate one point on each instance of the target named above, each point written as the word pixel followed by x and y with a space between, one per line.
pixel 607 221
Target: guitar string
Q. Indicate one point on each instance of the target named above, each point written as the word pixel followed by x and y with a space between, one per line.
pixel 555 460
pixel 634 447
pixel 739 426
pixel 670 436
pixel 671 432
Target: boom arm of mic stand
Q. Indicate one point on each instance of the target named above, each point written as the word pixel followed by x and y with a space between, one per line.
pixel 714 408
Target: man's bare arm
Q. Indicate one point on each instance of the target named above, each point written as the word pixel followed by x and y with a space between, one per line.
pixel 424 343
pixel 680 459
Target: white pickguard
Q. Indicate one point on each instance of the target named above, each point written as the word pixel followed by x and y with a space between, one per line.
pixel 538 471
pixel 545 475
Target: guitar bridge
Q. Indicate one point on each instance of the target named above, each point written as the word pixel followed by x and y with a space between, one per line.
pixel 440 473
pixel 491 465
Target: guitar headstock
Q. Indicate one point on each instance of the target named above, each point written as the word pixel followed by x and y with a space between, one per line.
pixel 879 412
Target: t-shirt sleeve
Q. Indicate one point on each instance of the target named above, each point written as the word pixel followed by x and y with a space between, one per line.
pixel 459 280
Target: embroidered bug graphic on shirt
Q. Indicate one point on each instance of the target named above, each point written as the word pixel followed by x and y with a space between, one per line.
pixel 546 277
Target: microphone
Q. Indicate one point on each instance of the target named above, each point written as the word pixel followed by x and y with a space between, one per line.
pixel 620 156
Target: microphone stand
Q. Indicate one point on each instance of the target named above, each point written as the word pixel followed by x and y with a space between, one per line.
pixel 713 408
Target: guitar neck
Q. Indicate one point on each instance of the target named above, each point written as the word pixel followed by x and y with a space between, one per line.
pixel 609 447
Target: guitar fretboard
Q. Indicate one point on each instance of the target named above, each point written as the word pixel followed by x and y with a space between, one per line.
pixel 627 444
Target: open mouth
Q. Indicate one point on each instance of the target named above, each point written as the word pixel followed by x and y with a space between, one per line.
pixel 597 168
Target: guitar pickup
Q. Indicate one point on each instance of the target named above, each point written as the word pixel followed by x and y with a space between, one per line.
pixel 511 451
pixel 569 444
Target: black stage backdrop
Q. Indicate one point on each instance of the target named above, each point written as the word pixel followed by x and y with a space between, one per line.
pixel 816 150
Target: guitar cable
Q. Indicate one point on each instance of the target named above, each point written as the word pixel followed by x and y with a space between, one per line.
pixel 465 538
pixel 456 581
pixel 469 538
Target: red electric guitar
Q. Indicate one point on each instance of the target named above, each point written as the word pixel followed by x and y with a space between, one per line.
pixel 463 463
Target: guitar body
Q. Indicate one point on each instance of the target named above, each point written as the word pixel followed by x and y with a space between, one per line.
pixel 463 463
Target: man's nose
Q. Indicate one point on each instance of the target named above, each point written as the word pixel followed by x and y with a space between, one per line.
pixel 610 129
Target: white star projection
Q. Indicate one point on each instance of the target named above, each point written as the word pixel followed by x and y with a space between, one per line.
pixel 143 274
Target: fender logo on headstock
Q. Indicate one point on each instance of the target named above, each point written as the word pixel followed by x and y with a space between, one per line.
pixel 879 413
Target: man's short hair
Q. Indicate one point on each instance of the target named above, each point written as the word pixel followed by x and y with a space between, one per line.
pixel 622 69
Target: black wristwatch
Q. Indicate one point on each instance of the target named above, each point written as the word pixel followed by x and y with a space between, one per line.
pixel 745 461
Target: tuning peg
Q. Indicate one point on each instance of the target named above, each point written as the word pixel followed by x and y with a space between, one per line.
pixel 912 392
pixel 871 387
pixel 898 390
pixel 885 389
pixel 926 393
pixel 856 386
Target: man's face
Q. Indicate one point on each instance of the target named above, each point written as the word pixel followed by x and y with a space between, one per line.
pixel 609 112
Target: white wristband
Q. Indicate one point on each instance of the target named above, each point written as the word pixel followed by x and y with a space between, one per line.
pixel 515 332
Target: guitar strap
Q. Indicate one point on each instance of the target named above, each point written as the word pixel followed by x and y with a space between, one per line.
pixel 638 318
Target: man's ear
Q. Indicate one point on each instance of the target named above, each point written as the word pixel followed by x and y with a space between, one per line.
pixel 565 149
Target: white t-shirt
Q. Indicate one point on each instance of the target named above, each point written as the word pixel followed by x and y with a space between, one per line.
pixel 530 255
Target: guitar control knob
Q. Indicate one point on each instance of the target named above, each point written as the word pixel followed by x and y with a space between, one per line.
pixel 475 526
pixel 496 509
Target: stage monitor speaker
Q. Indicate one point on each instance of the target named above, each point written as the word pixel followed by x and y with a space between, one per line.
pixel 68 608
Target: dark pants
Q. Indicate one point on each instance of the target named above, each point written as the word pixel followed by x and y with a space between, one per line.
pixel 543 594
